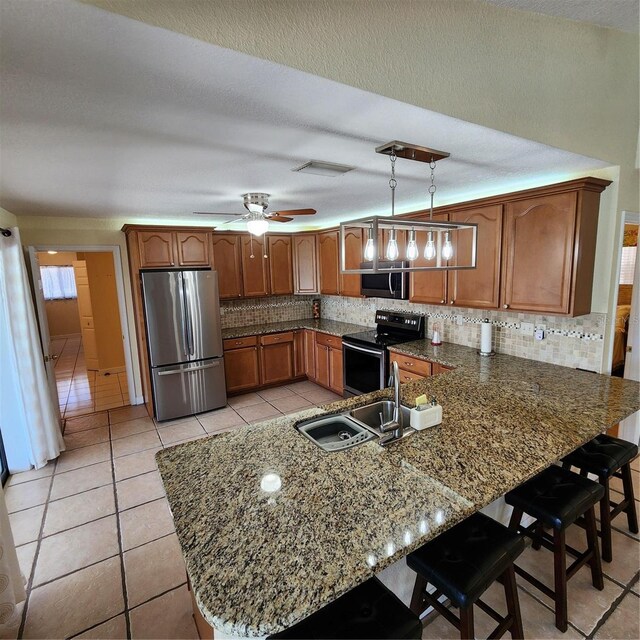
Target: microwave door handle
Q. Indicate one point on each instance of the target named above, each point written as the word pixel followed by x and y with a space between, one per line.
pixel 391 291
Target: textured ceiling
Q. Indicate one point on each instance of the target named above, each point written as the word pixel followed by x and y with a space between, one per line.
pixel 617 14
pixel 103 116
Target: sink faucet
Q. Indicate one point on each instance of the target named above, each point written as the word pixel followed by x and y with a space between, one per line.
pixel 393 429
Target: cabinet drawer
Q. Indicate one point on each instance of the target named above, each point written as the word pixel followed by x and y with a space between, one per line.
pixel 409 376
pixel 238 343
pixel 415 365
pixel 440 368
pixel 277 338
pixel 328 340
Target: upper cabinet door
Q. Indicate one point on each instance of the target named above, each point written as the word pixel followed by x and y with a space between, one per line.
pixel 156 249
pixel 227 262
pixel 429 287
pixel 280 265
pixel 479 287
pixel 305 264
pixel 193 248
pixel 350 283
pixel 329 280
pixel 538 253
pixel 255 266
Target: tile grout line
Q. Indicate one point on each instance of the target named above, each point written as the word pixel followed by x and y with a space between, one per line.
pixel 34 564
pixel 614 606
pixel 125 594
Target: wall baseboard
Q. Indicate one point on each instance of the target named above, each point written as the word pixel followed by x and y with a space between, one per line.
pixel 111 370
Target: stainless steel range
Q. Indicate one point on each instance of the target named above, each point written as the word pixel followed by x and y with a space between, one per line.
pixel 366 356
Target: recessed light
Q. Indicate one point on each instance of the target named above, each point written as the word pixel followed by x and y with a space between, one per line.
pixel 328 169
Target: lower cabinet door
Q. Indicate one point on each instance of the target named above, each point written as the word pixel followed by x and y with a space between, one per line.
pixel 241 369
pixel 408 376
pixel 310 353
pixel 335 370
pixel 276 362
pixel 322 365
pixel 299 367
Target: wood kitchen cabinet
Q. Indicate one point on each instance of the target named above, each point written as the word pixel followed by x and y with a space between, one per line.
pixel 328 362
pixel 193 248
pixel 276 358
pixel 417 367
pixel 479 287
pixel 255 270
pixel 350 283
pixel 299 367
pixel 329 274
pixel 306 276
pixel 437 368
pixel 241 364
pixel 227 257
pixel 549 251
pixel 428 287
pixel 280 265
pixel 310 354
pixel 156 249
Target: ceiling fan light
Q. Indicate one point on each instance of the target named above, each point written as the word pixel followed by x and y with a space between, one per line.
pixel 257 227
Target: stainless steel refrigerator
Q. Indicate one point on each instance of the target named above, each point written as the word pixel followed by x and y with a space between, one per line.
pixel 182 315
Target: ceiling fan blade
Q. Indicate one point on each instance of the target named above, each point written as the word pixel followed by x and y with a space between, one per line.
pixel 296 212
pixel 278 218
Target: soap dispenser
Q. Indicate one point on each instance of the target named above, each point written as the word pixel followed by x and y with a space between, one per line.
pixel 426 415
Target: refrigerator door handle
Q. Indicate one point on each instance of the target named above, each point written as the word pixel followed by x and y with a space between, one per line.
pixel 175 372
pixel 187 327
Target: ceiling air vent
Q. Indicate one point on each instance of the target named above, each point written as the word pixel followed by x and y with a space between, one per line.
pixel 329 169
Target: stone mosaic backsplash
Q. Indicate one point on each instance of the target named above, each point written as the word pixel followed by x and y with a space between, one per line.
pixel 240 313
pixel 570 342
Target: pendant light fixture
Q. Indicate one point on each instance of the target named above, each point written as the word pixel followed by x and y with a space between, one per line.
pixel 441 244
pixel 370 247
pixel 392 252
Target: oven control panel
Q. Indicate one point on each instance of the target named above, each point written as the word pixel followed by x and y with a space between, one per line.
pixel 411 322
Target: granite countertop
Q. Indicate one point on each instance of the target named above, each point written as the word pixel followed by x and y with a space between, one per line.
pixel 259 560
pixel 325 326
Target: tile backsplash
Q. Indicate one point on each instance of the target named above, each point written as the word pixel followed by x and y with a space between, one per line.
pixel 241 313
pixel 571 342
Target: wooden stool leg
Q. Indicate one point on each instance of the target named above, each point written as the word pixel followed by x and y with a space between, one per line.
pixel 605 522
pixel 560 578
pixel 513 604
pixel 537 542
pixel 516 517
pixel 592 541
pixel 627 483
pixel 417 599
pixel 466 623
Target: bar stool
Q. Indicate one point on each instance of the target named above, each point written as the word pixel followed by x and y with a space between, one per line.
pixel 368 611
pixel 607 457
pixel 461 564
pixel 557 497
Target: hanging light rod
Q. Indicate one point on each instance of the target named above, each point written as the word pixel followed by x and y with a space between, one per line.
pixel 411 151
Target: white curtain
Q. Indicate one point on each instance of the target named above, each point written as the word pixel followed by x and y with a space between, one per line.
pixel 11 580
pixel 58 282
pixel 28 417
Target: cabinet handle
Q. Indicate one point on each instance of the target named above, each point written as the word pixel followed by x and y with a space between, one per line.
pixel 238 341
pixel 451 301
pixel 505 306
pixel 409 364
pixel 442 301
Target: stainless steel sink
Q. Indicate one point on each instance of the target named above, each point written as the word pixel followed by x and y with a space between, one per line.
pixel 376 414
pixel 334 433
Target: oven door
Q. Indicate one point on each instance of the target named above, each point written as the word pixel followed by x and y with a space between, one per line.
pixel 364 368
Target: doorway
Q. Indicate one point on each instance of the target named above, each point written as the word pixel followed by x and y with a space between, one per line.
pixel 80 305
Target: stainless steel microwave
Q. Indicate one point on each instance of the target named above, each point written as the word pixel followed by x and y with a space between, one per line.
pixel 385 285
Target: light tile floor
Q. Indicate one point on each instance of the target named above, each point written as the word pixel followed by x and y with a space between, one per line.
pixel 93 530
pixel 96 541
pixel 81 391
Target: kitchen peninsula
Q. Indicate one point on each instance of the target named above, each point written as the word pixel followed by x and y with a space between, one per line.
pixel 272 528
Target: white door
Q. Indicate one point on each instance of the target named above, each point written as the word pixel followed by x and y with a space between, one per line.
pixel 45 340
pixel 632 357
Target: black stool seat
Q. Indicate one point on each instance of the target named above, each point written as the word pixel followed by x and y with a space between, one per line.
pixel 556 496
pixel 464 561
pixel 369 610
pixel 603 455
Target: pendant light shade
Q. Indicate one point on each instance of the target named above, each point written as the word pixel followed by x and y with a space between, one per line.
pixel 257 225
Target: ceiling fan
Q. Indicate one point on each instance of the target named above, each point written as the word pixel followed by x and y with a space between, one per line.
pixel 257 219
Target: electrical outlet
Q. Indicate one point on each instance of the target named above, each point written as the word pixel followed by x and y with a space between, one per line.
pixel 539 334
pixel 526 328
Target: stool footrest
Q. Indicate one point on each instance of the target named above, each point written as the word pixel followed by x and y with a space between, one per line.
pixel 581 560
pixel 535 582
pixel 432 600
